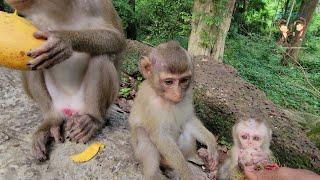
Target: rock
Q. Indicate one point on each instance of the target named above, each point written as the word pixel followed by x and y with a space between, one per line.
pixel 133 52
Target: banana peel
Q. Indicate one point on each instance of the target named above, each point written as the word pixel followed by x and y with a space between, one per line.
pixel 88 153
pixel 16 39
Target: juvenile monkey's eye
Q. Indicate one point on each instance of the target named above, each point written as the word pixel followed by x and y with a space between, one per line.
pixel 256 138
pixel 168 82
pixel 184 81
pixel 244 137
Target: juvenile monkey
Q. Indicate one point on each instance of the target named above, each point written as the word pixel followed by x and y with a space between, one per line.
pixel 75 70
pixel 163 124
pixel 251 140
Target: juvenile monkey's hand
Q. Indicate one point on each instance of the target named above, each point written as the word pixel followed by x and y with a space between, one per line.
pixel 53 51
pixel 259 156
pixel 252 158
pixel 80 128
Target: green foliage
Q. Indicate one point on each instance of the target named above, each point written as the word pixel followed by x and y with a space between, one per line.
pixel 162 20
pixel 313 34
pixel 125 11
pixel 5 7
pixel 253 17
pixel 125 92
pixel 223 141
pixel 257 60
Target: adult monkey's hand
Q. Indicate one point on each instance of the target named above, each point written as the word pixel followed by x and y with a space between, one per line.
pixel 282 173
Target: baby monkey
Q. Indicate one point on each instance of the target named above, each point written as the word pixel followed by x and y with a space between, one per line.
pixel 251 148
pixel 163 124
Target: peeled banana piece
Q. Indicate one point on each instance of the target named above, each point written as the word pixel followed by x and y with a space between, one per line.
pixel 88 153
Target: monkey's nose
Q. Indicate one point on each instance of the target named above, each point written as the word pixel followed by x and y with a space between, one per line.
pixel 176 99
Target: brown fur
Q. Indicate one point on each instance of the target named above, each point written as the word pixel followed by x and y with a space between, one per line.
pixel 170 57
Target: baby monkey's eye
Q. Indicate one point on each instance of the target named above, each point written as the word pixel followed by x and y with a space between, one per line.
pixel 244 137
pixel 168 82
pixel 256 138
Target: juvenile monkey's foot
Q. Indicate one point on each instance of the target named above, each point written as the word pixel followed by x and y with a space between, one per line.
pixel 41 139
pixel 80 128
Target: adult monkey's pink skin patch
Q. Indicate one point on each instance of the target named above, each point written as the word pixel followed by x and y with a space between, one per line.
pixel 68 112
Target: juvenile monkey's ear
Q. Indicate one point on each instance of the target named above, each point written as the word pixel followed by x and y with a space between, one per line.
pixel 145 67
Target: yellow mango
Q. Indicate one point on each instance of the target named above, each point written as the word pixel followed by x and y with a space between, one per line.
pixel 16 39
pixel 87 154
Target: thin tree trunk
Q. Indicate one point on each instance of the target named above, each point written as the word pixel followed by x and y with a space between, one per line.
pixel 132 27
pixel 211 23
pixel 307 9
pixel 286 8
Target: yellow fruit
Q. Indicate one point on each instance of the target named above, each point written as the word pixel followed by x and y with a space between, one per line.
pixel 16 39
pixel 87 154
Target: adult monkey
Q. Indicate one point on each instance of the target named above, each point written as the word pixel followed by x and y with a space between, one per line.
pixel 76 77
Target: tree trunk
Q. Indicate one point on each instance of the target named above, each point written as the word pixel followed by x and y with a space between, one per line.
pixel 132 27
pixel 286 8
pixel 306 11
pixel 210 25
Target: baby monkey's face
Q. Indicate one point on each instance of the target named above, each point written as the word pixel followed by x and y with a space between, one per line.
pixel 250 139
pixel 251 134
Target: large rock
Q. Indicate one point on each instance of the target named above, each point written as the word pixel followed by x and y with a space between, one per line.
pixel 221 98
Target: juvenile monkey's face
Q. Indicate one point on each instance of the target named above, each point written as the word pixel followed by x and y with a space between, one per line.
pixel 20 5
pixel 173 87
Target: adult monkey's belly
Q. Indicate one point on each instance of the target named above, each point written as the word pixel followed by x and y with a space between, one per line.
pixel 64 84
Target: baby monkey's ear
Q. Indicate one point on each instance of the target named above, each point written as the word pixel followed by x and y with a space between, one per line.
pixel 145 67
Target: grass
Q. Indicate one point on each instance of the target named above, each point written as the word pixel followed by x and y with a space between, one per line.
pixel 257 60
